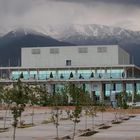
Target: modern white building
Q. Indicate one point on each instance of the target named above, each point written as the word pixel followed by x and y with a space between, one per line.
pixel 74 56
pixel 99 69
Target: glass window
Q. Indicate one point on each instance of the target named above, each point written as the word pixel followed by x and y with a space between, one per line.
pixel 129 88
pixel 100 73
pixel 33 74
pixel 102 49
pixel 68 62
pixel 66 73
pixel 85 73
pixel 42 75
pixel 53 73
pixel 114 73
pixel 83 50
pixel 54 50
pixel 35 51
pixel 16 74
pixel 138 88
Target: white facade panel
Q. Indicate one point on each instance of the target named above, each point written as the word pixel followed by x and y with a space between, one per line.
pixel 72 56
pixel 124 57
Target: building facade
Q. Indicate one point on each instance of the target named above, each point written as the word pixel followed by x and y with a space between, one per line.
pixel 98 69
pixel 74 56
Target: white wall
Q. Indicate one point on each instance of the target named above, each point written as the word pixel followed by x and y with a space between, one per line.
pixel 90 59
pixel 124 57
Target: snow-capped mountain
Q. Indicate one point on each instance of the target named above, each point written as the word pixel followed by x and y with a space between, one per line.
pixel 12 42
pixel 90 34
pixel 67 32
pixel 98 35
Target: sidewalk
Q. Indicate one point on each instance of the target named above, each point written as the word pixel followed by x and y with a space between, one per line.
pixel 128 130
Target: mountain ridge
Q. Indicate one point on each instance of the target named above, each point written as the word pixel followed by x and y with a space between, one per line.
pixel 12 42
pixel 91 34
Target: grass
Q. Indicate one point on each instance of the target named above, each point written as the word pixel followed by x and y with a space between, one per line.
pixel 47 121
pixel 26 125
pixel 105 127
pixel 3 129
pixel 89 133
pixel 116 122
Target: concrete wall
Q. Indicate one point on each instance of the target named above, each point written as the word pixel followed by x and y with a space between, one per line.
pixel 124 57
pixel 89 56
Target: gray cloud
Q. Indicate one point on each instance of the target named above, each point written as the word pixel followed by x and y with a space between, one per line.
pixel 126 2
pixel 40 13
pixel 14 7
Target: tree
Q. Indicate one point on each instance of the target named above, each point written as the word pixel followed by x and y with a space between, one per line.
pixel 75 117
pixel 92 75
pixel 81 77
pixel 21 75
pixel 19 98
pixel 33 92
pixel 86 103
pixel 44 97
pixel 102 109
pixel 77 95
pixel 61 76
pixel 5 99
pixel 57 100
pixel 55 118
pixel 51 75
pixel 92 112
pixel 121 100
pixel 71 75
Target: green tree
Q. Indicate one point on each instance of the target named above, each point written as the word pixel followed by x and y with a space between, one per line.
pixel 77 95
pixel 57 101
pixel 86 102
pixel 21 75
pixel 71 75
pixel 92 112
pixel 51 75
pixel 34 97
pixel 121 99
pixel 92 75
pixel 5 99
pixel 19 99
pixel 44 97
pixel 75 117
pixel 102 108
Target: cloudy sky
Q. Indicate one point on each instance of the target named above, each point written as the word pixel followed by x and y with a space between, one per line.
pixel 31 13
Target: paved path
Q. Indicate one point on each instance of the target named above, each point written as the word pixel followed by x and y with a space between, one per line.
pixel 128 130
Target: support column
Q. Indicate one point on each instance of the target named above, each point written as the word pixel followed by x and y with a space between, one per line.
pixel 90 89
pixel 104 90
pixel 101 92
pixel 125 73
pixel 134 90
pixel 56 76
pixel 84 87
pixel 29 74
pixel 10 77
pixel 123 87
pixel 114 86
pixel 51 88
pixel 37 77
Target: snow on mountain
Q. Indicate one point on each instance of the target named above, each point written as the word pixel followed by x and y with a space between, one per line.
pixel 93 34
pixel 64 32
pixel 90 34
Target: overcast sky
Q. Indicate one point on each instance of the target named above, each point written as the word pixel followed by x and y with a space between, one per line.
pixel 122 13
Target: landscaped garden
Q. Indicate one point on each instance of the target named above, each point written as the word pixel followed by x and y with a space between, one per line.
pixel 68 113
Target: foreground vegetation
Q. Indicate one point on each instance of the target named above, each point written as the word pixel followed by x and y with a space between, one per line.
pixel 17 96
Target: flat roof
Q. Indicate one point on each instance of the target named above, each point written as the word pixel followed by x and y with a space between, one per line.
pixel 70 67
